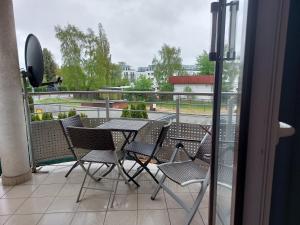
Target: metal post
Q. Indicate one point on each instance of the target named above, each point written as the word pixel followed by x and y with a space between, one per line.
pixel 98 112
pixel 28 124
pixel 177 113
pixel 107 108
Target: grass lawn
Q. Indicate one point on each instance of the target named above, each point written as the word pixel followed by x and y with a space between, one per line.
pixel 65 101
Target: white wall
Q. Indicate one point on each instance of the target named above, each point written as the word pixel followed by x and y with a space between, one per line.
pixel 195 88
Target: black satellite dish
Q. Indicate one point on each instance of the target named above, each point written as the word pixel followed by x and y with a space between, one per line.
pixel 34 61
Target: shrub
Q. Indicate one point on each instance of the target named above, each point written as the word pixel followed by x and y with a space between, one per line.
pixel 30 102
pixel 62 115
pixel 83 115
pixel 143 113
pixel 125 113
pixel 35 117
pixel 135 111
pixel 47 116
pixel 72 112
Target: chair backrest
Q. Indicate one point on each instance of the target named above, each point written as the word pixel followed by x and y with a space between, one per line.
pixel 73 121
pixel 204 149
pixel 91 138
pixel 163 134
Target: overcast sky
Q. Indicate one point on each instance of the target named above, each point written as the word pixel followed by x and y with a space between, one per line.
pixel 136 29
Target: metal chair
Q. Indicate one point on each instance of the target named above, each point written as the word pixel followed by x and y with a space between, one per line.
pixel 101 144
pixel 73 121
pixel 195 170
pixel 136 149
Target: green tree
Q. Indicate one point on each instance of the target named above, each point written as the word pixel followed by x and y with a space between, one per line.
pixel 204 65
pixel 230 73
pixel 143 84
pixel 168 63
pixel 116 76
pixel 86 58
pixel 50 67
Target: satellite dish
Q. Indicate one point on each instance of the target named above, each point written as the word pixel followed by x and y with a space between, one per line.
pixel 34 61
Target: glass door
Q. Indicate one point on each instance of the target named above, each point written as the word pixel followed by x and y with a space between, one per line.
pixel 227 50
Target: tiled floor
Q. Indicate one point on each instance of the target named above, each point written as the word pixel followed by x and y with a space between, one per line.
pixel 50 199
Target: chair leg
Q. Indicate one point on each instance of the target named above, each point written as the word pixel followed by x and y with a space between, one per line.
pixel 198 200
pixel 83 182
pixel 153 196
pixel 90 175
pixel 73 167
pixel 107 172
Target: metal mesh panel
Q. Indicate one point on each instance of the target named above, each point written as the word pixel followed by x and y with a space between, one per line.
pixel 48 141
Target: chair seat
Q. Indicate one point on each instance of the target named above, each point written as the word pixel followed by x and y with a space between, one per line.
pixel 182 172
pixel 100 156
pixel 140 148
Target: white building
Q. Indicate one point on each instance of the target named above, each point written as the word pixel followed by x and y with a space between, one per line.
pixel 199 84
pixel 128 72
pixel 191 69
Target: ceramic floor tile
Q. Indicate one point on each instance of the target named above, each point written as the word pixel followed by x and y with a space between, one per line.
pixel 204 215
pixel 56 219
pixel 20 191
pixel 178 216
pixel 124 202
pixel 37 178
pixel 93 204
pixel 121 218
pixel 88 218
pixel 175 187
pixel 144 202
pixel 185 197
pixel 147 186
pixel 48 190
pixel 76 177
pixel 9 206
pixel 153 217
pixel 4 190
pixel 35 205
pixel 46 169
pixel 90 193
pixel 69 190
pixel 63 204
pixel 126 189
pixel 194 187
pixel 31 219
pixel 205 201
pixel 55 178
pixel 3 219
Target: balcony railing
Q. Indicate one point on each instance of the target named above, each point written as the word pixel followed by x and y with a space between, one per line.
pixel 188 111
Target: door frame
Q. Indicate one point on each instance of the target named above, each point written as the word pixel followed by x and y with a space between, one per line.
pixel 267 70
pixel 267 22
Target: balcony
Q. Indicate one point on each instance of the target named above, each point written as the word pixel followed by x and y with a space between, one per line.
pixel 50 198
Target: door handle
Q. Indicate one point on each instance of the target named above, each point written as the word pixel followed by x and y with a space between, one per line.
pixel 285 130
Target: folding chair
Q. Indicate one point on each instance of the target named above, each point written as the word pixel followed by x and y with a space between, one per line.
pixel 74 121
pixel 195 170
pixel 101 144
pixel 136 149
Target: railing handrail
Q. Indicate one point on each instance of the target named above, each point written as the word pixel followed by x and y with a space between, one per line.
pixel 127 92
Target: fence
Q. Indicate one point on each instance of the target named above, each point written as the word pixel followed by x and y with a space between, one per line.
pixel 48 144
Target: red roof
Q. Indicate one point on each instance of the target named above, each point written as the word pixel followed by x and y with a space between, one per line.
pixel 201 79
